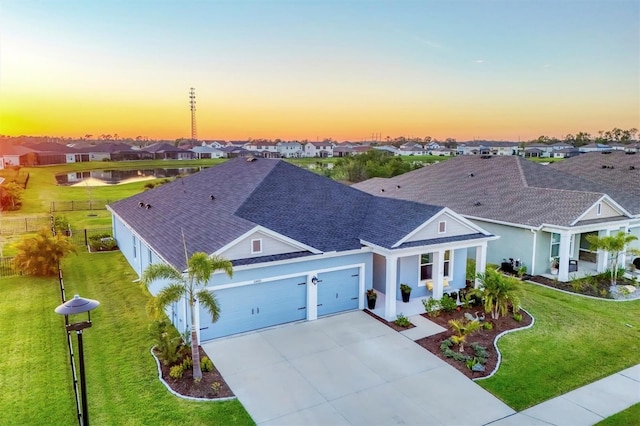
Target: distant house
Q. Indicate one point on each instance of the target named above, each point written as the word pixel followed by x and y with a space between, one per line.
pixel 166 151
pixel 303 246
pixel 289 149
pixel 538 211
pixel 207 152
pixel 114 151
pixel 342 151
pixel 566 152
pixel 488 148
pixel 264 149
pixel 411 149
pixel 594 147
pixel 318 149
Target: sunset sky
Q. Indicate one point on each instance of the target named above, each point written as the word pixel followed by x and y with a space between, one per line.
pixel 307 69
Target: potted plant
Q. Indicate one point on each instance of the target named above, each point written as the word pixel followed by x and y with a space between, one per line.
pixel 554 265
pixel 371 299
pixel 406 292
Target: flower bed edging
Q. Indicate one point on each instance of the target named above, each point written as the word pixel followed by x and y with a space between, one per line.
pixel 495 345
pixel 190 398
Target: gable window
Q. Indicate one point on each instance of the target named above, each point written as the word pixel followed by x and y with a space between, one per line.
pixel 256 246
pixel 135 248
pixel 599 209
pixel 442 227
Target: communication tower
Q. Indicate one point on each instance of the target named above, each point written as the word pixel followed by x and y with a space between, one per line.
pixel 192 103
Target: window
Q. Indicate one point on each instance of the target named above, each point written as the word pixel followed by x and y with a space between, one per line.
pixel 256 246
pixel 135 248
pixel 447 260
pixel 426 266
pixel 150 257
pixel 442 227
pixel 599 209
pixel 555 245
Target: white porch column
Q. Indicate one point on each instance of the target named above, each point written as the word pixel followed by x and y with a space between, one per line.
pixel 391 278
pixel 438 274
pixel 564 253
pixel 481 262
pixel 622 261
pixel 602 260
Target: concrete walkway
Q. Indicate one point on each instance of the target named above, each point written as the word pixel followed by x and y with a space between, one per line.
pixel 584 406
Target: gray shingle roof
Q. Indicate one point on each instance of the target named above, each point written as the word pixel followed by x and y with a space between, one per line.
pixel 616 173
pixel 502 188
pixel 301 205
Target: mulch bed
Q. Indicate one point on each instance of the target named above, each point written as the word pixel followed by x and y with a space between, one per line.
pixel 391 324
pixel 482 337
pixel 186 386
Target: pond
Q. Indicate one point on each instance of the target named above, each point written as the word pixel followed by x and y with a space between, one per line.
pixel 121 176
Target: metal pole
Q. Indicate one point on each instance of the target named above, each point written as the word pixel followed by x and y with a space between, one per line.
pixel 83 381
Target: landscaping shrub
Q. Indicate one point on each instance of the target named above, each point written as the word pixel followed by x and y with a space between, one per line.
pixel 167 341
pixel 402 321
pixel 517 317
pixel 176 371
pixel 206 364
pixel 432 306
pixel 448 304
pixel 215 388
pixel 187 363
pixel 102 242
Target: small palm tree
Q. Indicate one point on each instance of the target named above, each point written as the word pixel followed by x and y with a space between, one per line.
pixel 189 285
pixel 462 329
pixel 616 245
pixel 498 293
pixel 40 255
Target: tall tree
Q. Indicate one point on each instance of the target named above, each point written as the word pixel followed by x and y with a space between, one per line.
pixel 616 245
pixel 41 254
pixel 189 285
pixel 11 195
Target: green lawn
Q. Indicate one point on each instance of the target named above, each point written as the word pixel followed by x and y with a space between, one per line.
pixel 575 341
pixel 122 383
pixel 627 417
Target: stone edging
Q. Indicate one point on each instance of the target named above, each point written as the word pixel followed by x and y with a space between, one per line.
pixel 495 345
pixel 570 293
pixel 190 398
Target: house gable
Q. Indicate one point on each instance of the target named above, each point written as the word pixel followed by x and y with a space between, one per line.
pixel 445 224
pixel 602 209
pixel 261 242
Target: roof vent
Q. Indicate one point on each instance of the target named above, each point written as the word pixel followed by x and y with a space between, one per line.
pixel 604 166
pixel 606 152
pixel 212 197
pixel 140 204
pixel 147 206
pixel 397 186
pixel 632 167
pixel 382 190
pixel 630 152
pixel 477 203
pixel 470 175
pixel 251 159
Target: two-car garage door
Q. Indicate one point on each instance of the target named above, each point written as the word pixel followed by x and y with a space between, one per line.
pixel 265 304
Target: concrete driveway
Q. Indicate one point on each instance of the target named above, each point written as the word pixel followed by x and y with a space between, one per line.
pixel 348 369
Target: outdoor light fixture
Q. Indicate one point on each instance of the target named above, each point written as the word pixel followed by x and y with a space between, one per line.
pixel 314 280
pixel 79 305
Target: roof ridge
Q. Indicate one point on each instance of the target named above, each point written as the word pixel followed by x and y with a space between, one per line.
pixel 525 182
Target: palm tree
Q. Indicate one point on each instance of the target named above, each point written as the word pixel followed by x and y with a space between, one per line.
pixel 187 285
pixel 462 329
pixel 498 292
pixel 40 255
pixel 616 245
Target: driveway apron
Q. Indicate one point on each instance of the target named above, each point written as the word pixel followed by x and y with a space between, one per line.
pixel 347 369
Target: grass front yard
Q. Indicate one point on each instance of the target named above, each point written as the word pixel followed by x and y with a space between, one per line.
pixel 122 383
pixel 575 341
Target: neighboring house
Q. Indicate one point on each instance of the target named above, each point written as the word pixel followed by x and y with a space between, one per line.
pixel 342 151
pixel 565 152
pixel 47 153
pixel 442 152
pixel 303 246
pixel 318 149
pixel 387 148
pixel 289 149
pixel 166 151
pixel 206 151
pixel 541 149
pixel 16 155
pixel 113 151
pixel 593 147
pixel 265 149
pixel 531 152
pixel 538 211
pixel 488 148
pixel 411 149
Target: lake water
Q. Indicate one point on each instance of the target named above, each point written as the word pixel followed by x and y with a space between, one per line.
pixel 121 176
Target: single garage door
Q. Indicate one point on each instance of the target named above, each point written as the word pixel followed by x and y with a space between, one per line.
pixel 338 291
pixel 255 306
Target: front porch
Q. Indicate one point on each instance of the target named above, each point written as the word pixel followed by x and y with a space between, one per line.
pixel 413 307
pixel 584 269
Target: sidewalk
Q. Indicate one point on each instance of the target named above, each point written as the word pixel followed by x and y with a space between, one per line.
pixel 584 406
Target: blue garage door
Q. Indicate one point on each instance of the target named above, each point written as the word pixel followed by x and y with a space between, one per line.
pixel 255 306
pixel 338 291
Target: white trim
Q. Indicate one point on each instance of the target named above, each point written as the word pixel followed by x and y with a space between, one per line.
pixel 327 255
pixel 259 241
pixel 444 212
pixel 269 233
pixel 610 202
pixel 410 251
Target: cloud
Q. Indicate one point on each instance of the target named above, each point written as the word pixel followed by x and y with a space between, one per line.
pixel 429 43
pixel 479 61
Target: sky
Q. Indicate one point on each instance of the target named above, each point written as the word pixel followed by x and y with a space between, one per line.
pixel 316 69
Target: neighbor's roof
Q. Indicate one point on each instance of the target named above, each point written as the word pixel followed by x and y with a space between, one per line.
pixel 274 194
pixel 501 188
pixel 616 172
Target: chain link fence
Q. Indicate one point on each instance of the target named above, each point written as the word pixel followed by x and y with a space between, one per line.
pixel 83 205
